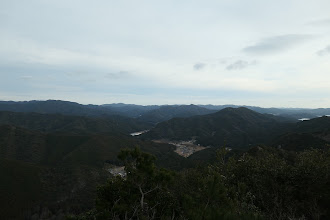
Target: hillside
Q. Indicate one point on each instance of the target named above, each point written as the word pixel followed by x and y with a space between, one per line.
pixel 72 124
pixel 149 113
pixel 320 124
pixel 235 127
pixel 51 164
pixel 294 113
pixel 55 107
pixel 300 141
pixel 314 133
pixel 61 170
pixel 165 113
pixel 130 110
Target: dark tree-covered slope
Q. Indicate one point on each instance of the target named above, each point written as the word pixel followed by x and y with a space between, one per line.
pixel 235 127
pixel 51 174
pixel 130 110
pixel 321 124
pixel 294 113
pixel 73 124
pixel 151 114
pixel 56 107
pixel 314 133
pixel 165 113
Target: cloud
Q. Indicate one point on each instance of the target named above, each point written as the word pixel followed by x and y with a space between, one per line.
pixel 118 75
pixel 26 77
pixel 240 64
pixel 199 66
pixel 276 44
pixel 322 22
pixel 225 60
pixel 324 51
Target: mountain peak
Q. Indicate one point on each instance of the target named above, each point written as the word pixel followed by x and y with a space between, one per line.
pixel 239 110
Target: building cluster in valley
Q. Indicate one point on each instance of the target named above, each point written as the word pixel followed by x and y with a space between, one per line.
pixel 184 148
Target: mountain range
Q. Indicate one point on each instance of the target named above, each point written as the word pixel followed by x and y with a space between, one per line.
pixel 54 154
pixel 152 113
pixel 239 128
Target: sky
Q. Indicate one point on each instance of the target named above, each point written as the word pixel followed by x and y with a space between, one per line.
pixel 257 52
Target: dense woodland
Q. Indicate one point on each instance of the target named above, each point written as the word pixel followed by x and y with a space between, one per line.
pixel 258 165
pixel 263 183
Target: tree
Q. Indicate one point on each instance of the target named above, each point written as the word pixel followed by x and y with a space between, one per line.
pixel 142 194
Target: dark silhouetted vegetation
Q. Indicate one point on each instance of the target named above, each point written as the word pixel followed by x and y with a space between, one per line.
pixel 263 183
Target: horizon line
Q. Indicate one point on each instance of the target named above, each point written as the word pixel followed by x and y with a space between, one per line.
pixel 113 103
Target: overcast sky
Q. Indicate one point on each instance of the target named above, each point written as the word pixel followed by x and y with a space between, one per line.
pixel 257 52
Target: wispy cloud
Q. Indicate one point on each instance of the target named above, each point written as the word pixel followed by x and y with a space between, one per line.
pixel 199 66
pixel 276 44
pixel 321 22
pixel 26 77
pixel 118 75
pixel 325 51
pixel 240 64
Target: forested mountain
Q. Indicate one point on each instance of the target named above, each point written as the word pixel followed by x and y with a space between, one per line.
pixel 262 183
pixel 165 113
pixel 234 127
pixel 300 141
pixel 47 174
pixel 56 107
pixel 294 113
pixel 130 110
pixel 54 148
pixel 73 124
pixel 150 113
pixel 52 162
pixel 314 133
pixel 316 125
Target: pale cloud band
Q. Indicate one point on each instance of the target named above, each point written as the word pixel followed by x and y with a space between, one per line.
pixel 277 44
pixel 325 51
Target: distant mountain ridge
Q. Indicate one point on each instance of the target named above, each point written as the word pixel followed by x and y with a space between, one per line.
pixel 150 113
pixel 55 107
pixel 130 110
pixel 295 113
